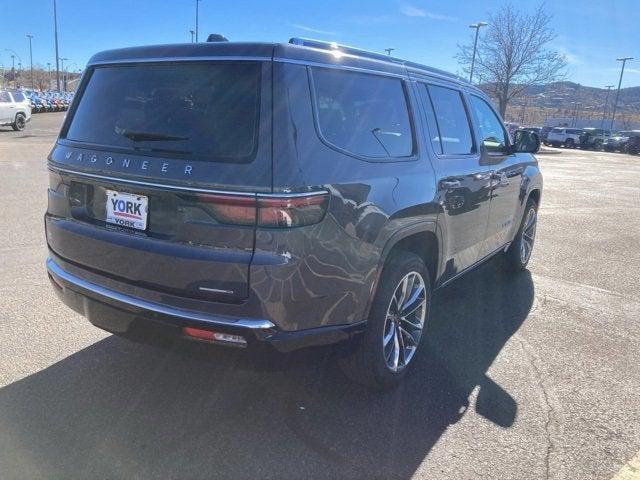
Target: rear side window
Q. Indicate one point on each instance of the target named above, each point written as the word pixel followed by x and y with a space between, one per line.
pixel 454 133
pixel 365 115
pixel 4 97
pixel 206 111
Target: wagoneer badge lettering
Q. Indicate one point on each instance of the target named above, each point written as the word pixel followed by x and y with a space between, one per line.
pixel 163 167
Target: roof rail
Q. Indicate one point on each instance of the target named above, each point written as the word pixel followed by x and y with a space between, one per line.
pixel 323 45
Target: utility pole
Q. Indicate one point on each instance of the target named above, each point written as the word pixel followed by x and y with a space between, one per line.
pixel 192 34
pixel 389 50
pixel 30 37
pixel 477 26
pixel 197 27
pixel 615 104
pixel 55 29
pixel 606 103
pixel 524 109
pixel 64 80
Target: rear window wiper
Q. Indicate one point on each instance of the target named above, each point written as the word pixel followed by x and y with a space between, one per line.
pixel 141 136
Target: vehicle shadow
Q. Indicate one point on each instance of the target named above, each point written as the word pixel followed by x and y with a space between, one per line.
pixel 122 410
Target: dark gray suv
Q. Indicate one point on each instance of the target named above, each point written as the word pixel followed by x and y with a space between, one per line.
pixel 289 195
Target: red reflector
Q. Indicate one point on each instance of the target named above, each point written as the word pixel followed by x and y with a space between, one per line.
pixel 199 333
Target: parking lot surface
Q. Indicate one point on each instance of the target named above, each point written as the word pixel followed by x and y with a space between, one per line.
pixel 527 377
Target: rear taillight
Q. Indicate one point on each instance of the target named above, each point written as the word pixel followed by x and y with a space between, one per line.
pixel 231 209
pixel 288 212
pixel 271 211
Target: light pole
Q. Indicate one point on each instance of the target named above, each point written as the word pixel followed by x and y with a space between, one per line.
pixel 197 2
pixel 192 34
pixel 477 26
pixel 578 112
pixel 30 37
pixel 55 29
pixel 615 104
pixel 64 81
pixel 606 103
pixel 14 55
pixel 389 50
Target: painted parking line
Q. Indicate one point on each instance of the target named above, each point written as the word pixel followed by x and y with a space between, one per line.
pixel 631 471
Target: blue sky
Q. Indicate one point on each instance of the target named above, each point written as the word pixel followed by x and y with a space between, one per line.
pixel 591 33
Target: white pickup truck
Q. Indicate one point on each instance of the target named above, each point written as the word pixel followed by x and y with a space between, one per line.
pixel 15 109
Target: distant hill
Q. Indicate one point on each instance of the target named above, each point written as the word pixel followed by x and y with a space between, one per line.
pixel 558 100
pixel 562 94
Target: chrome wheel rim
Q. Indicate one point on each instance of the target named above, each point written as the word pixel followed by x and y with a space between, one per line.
pixel 404 321
pixel 528 236
pixel 20 122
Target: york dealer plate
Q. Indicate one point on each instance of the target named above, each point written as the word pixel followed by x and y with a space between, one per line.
pixel 127 210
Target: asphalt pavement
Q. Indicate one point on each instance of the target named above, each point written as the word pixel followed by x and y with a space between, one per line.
pixel 530 376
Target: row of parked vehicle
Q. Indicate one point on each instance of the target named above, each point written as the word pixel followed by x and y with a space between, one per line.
pixel 48 101
pixel 626 141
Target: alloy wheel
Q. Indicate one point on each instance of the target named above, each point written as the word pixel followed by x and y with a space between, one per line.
pixel 528 236
pixel 404 321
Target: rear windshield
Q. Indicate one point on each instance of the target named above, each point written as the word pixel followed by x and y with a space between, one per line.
pixel 206 111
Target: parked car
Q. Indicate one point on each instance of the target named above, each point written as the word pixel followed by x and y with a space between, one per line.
pixel 617 141
pixel 561 136
pixel 593 138
pixel 544 131
pixel 15 109
pixel 633 143
pixel 301 198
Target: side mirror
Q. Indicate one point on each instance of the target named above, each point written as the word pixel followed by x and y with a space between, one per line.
pixel 525 141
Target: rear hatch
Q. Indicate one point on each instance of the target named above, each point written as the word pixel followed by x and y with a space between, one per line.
pixel 155 174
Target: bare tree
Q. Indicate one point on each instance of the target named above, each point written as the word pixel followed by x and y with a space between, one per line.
pixel 513 54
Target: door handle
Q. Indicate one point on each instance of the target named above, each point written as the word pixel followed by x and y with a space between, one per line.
pixel 450 184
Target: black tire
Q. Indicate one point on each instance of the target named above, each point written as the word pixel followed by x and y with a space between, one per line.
pixel 569 143
pixel 513 259
pixel 367 365
pixel 19 122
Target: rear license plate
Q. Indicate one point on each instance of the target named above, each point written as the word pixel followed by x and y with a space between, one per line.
pixel 127 210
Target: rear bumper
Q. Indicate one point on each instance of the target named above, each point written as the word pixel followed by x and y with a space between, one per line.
pixel 129 316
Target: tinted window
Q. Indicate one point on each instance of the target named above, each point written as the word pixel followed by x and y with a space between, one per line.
pixel 492 134
pixel 557 130
pixel 207 110
pixel 452 121
pixel 4 97
pixel 363 114
pixel 574 132
pixel 17 97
